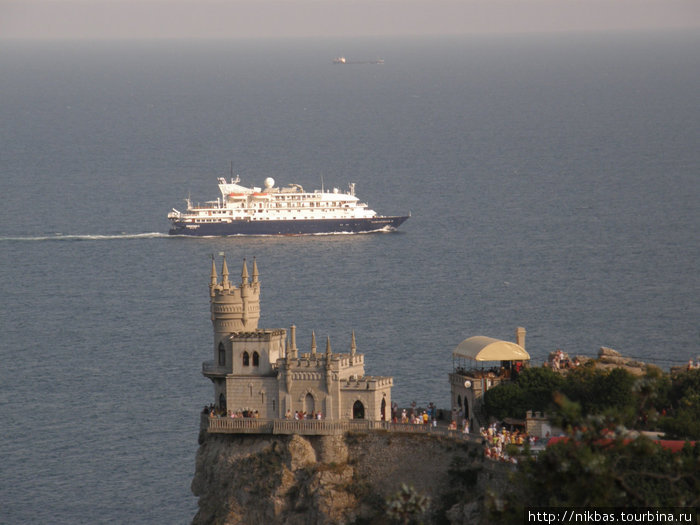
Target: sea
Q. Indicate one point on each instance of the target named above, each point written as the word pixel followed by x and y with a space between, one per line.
pixel 553 183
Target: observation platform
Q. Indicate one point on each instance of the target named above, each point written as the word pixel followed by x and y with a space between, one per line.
pixel 322 427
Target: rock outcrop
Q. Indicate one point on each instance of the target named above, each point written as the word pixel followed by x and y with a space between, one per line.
pixel 609 358
pixel 275 479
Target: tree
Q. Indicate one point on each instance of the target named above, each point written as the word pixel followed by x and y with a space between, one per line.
pixel 684 397
pixel 532 390
pixel 598 465
pixel 505 400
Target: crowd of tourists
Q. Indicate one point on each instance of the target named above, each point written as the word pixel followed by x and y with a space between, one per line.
pixel 692 366
pixel 300 415
pixel 414 415
pixel 559 361
pixel 214 411
pixel 497 439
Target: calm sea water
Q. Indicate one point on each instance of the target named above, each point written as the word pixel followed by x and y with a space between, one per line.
pixel 553 183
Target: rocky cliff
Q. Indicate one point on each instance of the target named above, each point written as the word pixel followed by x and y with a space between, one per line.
pixel 273 479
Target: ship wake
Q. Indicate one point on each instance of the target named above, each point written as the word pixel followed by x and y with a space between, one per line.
pixel 84 237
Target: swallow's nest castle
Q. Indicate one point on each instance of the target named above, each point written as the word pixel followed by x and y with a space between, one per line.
pixel 256 369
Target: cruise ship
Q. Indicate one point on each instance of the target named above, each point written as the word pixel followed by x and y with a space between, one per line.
pixel 279 211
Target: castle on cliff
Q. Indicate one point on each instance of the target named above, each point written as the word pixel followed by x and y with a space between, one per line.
pixel 261 371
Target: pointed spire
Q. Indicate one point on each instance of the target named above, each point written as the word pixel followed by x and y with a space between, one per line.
pixel 213 271
pixel 255 271
pixel 353 344
pixel 313 342
pixel 224 274
pixel 244 274
pixel 328 360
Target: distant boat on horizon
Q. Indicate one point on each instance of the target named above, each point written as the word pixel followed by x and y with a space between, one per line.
pixel 343 61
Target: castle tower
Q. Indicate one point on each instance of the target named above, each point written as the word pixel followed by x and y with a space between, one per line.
pixel 261 371
pixel 234 309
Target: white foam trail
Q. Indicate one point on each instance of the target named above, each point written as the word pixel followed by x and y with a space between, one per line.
pixel 62 237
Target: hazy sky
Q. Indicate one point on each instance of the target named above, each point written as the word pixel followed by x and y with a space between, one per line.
pixel 284 18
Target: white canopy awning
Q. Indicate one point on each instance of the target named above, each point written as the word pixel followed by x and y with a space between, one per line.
pixel 481 348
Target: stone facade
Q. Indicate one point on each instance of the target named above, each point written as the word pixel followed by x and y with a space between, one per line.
pixel 538 424
pixel 262 370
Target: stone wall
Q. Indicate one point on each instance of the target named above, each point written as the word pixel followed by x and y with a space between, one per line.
pixel 344 479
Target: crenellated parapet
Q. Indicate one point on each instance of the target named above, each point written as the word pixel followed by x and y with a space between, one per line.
pixel 234 309
pixel 366 383
pixel 258 335
pixel 262 370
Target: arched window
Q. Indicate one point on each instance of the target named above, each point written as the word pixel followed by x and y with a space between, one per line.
pixel 256 359
pixel 384 409
pixel 222 354
pixel 309 405
pixel 459 401
pixel 246 359
pixel 358 410
pixel 222 403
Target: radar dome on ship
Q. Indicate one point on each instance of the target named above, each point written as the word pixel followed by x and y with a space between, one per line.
pixel 269 182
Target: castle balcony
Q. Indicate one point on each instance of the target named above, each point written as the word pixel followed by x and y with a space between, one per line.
pixel 322 427
pixel 228 425
pixel 212 369
pixel 477 380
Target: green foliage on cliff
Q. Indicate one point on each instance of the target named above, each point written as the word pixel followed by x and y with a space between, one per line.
pixel 683 417
pixel 596 465
pixel 653 401
pixel 600 390
pixel 532 391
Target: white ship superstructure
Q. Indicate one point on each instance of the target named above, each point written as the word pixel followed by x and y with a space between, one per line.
pixel 241 210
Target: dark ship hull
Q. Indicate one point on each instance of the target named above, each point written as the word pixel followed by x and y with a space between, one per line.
pixel 287 227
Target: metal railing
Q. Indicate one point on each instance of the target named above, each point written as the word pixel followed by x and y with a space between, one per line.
pixel 322 427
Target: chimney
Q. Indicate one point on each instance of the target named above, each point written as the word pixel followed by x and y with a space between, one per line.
pixel 520 336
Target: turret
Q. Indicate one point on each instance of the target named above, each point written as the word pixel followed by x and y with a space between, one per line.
pixel 329 374
pixel 329 353
pixel 244 275
pixel 293 335
pixel 353 348
pixel 256 275
pixel 233 309
pixel 225 284
pixel 213 277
